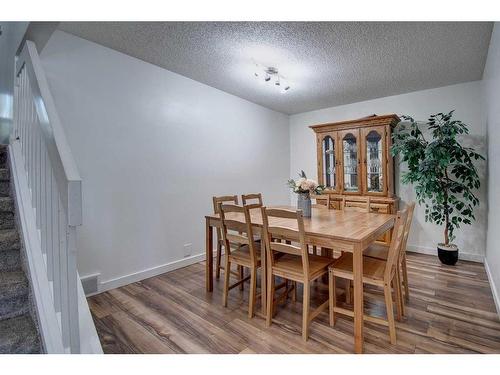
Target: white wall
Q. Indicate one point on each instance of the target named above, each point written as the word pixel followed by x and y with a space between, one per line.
pixel 491 81
pixel 464 98
pixel 152 148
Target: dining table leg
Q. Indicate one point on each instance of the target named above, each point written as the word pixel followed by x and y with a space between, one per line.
pixel 209 256
pixel 358 298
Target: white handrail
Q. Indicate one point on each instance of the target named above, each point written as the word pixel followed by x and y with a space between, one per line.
pixel 55 187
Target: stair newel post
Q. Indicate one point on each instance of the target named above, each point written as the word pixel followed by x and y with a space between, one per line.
pixel 74 333
pixel 63 269
pixel 74 219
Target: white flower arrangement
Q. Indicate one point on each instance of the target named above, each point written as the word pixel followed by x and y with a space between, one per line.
pixel 305 185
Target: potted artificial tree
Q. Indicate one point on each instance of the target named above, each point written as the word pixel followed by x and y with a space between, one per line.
pixel 442 172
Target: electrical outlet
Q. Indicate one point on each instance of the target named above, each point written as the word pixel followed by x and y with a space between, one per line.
pixel 187 249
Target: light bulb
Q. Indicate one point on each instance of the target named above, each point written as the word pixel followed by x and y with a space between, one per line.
pixel 285 89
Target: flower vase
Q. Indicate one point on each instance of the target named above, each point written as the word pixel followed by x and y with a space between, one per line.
pixel 304 204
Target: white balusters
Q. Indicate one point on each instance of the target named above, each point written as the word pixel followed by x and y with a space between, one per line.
pixel 56 244
pixel 55 187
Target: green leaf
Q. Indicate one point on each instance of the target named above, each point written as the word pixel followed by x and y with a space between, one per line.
pixel 439 167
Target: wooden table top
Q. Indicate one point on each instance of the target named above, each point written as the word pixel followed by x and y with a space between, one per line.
pixel 334 224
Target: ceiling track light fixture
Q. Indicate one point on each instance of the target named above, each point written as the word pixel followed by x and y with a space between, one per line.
pixel 271 74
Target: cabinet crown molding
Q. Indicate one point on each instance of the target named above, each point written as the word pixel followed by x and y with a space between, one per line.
pixel 373 120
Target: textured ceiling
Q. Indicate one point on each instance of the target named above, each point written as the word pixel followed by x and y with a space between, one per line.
pixel 326 63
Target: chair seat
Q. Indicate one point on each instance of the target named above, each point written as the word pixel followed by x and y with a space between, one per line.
pixel 373 269
pixel 242 255
pixel 291 265
pixel 377 251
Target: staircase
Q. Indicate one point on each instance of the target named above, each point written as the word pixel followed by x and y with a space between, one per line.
pixel 18 333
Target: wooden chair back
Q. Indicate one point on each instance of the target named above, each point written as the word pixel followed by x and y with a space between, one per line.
pixel 222 199
pixel 322 198
pixel 250 197
pixel 361 204
pixel 409 219
pixel 395 246
pixel 282 222
pixel 235 231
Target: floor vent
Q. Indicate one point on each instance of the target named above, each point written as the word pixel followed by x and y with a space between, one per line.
pixel 90 284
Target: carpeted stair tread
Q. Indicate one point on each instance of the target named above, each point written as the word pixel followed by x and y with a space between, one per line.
pixel 10 260
pixel 18 333
pixel 4 188
pixel 12 283
pixel 19 336
pixel 4 174
pixel 3 156
pixel 10 257
pixel 9 240
pixel 6 204
pixel 14 292
pixel 7 209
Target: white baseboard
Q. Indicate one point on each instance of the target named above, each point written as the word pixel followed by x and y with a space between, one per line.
pixel 147 273
pixel 494 289
pixel 433 251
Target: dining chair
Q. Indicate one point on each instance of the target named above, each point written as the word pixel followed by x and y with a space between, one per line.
pixel 294 264
pixel 361 204
pixel 220 243
pixel 321 200
pixel 377 272
pixel 246 251
pixel 245 198
pixel 379 251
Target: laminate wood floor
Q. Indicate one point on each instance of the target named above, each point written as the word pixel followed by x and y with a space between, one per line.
pixel 451 310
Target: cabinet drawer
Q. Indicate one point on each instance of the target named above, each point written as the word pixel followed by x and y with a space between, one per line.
pixel 382 208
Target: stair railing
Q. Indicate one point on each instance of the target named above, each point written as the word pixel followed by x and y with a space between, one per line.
pixel 55 187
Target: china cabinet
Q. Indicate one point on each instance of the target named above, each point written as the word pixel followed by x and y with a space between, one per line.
pixel 353 159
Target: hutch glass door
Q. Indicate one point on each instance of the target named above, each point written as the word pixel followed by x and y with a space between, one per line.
pixel 350 161
pixel 329 162
pixel 374 160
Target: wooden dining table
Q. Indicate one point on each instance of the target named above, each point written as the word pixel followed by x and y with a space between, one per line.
pixel 348 231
